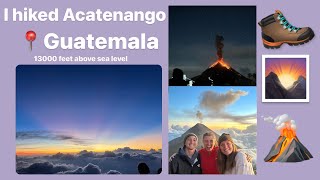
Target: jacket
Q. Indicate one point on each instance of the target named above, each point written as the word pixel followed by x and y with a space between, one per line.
pixel 180 163
pixel 208 159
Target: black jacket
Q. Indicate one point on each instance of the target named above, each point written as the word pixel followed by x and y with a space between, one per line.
pixel 180 163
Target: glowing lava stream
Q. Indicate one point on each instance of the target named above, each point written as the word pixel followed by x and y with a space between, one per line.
pixel 221 62
pixel 289 134
pixel 283 147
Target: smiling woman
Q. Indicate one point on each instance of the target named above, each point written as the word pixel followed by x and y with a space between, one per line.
pixel 230 159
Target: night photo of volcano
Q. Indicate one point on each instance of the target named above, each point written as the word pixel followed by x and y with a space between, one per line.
pixel 205 50
pixel 288 147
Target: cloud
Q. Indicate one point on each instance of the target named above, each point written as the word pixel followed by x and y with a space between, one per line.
pixel 90 162
pixel 126 156
pixel 113 172
pixel 88 169
pixel 199 115
pixel 128 149
pixel 246 139
pixel 86 153
pixel 43 168
pixel 243 119
pixel 177 130
pixel 217 102
pixel 50 135
pixel 109 154
pixel 268 119
pixel 143 157
pixel 63 156
pixel 282 121
pixel 251 129
pixel 22 164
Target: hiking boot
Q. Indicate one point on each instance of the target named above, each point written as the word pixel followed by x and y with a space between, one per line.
pixel 276 30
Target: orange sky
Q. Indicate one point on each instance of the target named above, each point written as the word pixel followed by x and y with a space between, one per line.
pixel 295 67
pixel 144 142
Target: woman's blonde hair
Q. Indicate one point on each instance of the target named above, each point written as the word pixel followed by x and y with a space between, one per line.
pixel 226 162
pixel 211 134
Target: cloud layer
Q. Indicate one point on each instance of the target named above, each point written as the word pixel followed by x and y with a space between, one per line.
pixel 88 162
pixel 177 130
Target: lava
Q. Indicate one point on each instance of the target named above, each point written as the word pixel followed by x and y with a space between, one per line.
pixel 222 62
pixel 288 129
pixel 288 148
pixel 219 46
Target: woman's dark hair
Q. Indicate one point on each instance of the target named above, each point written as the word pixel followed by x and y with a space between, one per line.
pixel 226 162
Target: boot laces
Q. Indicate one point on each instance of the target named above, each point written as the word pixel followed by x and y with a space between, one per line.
pixel 286 25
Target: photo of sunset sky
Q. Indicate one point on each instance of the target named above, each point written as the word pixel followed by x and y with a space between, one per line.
pixel 87 119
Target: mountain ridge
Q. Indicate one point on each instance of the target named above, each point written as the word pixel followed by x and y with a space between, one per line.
pixel 275 90
pixel 222 76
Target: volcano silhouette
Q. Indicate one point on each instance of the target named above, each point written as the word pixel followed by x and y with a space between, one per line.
pixel 198 129
pixel 288 150
pixel 222 76
pixel 275 90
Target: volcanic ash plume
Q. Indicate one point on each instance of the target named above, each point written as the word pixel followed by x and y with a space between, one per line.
pixel 285 125
pixel 219 45
pixel 288 148
pixel 199 116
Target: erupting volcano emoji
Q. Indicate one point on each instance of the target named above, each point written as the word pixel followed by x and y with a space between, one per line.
pixel 288 148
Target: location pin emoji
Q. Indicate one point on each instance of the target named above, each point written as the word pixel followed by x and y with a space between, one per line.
pixel 31 36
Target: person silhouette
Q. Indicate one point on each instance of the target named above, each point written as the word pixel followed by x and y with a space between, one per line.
pixel 143 168
pixel 177 78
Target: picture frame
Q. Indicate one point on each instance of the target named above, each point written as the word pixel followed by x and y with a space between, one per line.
pixel 266 58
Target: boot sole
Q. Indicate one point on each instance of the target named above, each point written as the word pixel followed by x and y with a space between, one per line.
pixel 276 45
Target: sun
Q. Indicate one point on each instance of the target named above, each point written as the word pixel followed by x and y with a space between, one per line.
pixel 286 80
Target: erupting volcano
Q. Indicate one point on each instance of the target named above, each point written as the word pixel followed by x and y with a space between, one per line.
pixel 288 148
pixel 221 62
pixel 220 73
pixel 219 46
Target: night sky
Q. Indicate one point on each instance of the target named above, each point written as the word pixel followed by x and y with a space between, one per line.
pixel 74 106
pixel 192 31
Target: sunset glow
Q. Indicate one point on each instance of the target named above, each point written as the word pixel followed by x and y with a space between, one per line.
pixel 288 70
pixel 87 110
pixel 286 80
